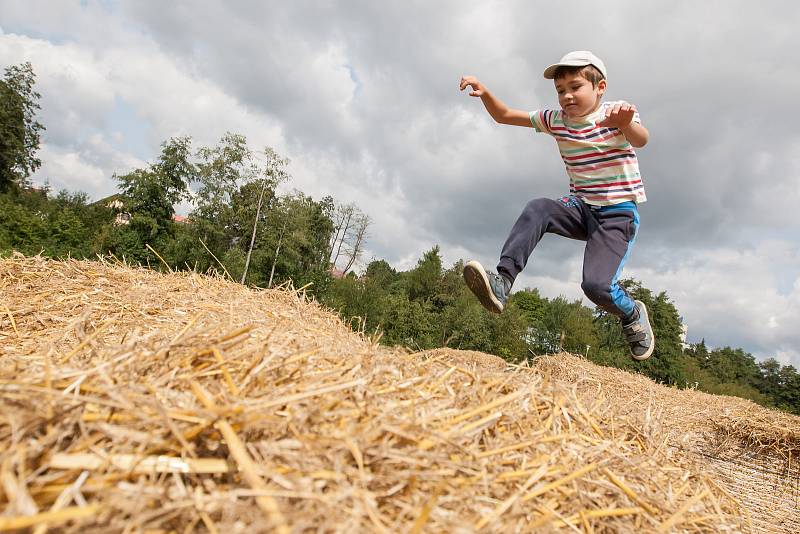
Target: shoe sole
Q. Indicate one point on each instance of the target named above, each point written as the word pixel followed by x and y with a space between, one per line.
pixel 478 283
pixel 649 352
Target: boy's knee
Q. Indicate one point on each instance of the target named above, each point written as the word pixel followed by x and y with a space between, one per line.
pixel 538 205
pixel 595 290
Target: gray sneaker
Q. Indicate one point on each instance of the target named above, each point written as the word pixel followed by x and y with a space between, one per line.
pixel 491 289
pixel 639 333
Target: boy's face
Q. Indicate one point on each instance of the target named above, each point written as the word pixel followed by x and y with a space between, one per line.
pixel 577 95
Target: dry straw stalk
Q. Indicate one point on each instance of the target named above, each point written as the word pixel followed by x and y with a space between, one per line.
pixel 137 401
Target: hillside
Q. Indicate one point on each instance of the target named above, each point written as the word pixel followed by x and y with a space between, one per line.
pixel 136 401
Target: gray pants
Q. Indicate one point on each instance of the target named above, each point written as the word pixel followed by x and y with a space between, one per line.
pixel 609 232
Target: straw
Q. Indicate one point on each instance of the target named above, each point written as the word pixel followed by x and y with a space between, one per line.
pixel 132 400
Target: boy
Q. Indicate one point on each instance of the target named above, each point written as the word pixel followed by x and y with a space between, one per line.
pixel 596 142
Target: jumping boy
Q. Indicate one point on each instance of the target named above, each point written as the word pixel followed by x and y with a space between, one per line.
pixel 596 141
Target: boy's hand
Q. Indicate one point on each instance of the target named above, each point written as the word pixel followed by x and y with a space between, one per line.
pixel 477 87
pixel 496 108
pixel 620 116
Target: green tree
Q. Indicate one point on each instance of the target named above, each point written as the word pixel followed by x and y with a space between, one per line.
pixel 31 222
pixel 409 323
pixel 464 324
pixel 424 279
pixel 19 129
pixel 271 174
pixel 532 304
pixel 770 379
pixel 665 365
pixel 579 332
pixel 149 196
pixel 789 396
pixel 23 224
pixel 506 332
pixel 732 365
pixel 780 384
pixel 461 322
pixel 699 352
pixel 222 170
pixel 381 273
pixel 361 301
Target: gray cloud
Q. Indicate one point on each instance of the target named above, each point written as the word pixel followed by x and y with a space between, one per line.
pixel 363 97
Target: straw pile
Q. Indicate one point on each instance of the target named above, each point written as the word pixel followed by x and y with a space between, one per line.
pixel 134 401
pixel 752 452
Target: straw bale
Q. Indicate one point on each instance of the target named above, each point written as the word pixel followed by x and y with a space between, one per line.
pixel 133 401
pixel 751 452
pixel 466 358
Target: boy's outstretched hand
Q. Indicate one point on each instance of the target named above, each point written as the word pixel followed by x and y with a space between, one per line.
pixel 619 116
pixel 477 87
pixel 496 108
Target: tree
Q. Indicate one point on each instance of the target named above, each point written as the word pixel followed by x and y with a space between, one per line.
pixel 222 170
pixel 271 175
pixel 532 304
pixel 699 352
pixel 19 129
pixel 381 272
pixel 548 334
pixel 423 281
pixel 579 331
pixel 664 365
pixel 781 384
pixel 292 242
pixel 31 222
pixel 348 237
pixel 506 333
pixel 341 216
pixel 732 365
pixel 461 320
pixel 149 196
pixel 770 378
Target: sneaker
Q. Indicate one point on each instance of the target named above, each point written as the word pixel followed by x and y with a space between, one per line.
pixel 639 333
pixel 490 288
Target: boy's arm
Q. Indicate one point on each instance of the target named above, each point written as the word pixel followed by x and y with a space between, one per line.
pixel 621 117
pixel 496 108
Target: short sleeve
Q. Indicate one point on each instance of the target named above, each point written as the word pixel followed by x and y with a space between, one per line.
pixel 541 120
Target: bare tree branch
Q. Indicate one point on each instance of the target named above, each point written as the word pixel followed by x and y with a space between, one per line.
pixel 358 239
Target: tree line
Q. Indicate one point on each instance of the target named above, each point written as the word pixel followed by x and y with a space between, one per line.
pixel 241 226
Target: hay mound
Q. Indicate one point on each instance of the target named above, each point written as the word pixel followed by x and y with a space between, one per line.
pixel 132 401
pixel 751 451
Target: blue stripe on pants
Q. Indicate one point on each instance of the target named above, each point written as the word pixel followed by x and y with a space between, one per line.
pixel 609 233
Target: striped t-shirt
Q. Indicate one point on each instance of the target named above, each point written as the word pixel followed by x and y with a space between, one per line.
pixel 601 164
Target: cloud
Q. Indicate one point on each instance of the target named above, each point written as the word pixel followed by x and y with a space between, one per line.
pixel 363 98
pixel 734 297
pixel 87 167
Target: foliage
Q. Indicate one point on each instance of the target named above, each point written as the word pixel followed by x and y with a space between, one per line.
pixel 19 129
pixel 149 196
pixel 63 226
pixel 241 224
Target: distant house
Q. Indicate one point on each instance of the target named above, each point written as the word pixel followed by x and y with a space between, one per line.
pixel 684 331
pixel 115 203
pixel 337 273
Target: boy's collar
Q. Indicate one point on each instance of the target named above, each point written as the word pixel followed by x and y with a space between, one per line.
pixel 583 119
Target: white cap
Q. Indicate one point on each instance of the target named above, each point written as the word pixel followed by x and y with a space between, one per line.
pixel 578 58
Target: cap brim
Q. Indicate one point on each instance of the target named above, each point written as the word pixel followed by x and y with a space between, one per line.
pixel 550 72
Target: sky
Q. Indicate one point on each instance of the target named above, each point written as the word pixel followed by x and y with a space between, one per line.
pixel 363 98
